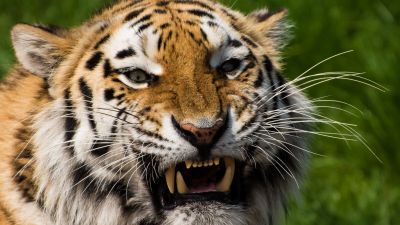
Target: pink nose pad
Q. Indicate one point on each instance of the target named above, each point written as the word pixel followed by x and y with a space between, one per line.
pixel 204 136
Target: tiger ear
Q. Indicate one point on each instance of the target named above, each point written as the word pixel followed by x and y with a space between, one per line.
pixel 275 26
pixel 39 49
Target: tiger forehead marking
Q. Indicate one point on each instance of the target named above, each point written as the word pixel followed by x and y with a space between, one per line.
pixel 153 112
pixel 147 41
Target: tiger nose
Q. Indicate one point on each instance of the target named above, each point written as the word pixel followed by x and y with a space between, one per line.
pixel 201 137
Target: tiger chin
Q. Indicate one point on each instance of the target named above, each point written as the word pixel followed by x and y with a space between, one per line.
pixel 152 112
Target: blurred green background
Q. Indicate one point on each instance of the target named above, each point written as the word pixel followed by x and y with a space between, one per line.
pixel 347 185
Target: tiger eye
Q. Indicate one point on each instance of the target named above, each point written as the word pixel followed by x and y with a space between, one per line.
pixel 229 66
pixel 139 76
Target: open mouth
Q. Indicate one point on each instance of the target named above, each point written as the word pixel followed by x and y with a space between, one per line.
pixel 192 181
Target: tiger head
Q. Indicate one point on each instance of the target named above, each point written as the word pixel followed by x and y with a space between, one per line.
pixel 166 112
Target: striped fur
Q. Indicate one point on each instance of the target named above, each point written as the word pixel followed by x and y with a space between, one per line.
pixel 81 144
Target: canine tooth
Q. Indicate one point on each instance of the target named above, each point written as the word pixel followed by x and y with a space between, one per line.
pixel 180 184
pixel 229 162
pixel 225 184
pixel 216 161
pixel 188 163
pixel 170 179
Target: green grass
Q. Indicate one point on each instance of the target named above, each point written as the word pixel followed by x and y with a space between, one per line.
pixel 347 185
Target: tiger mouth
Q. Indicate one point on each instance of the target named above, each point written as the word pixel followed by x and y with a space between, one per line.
pixel 201 177
pixel 194 181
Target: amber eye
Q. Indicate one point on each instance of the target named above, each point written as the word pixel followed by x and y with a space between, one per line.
pixel 136 78
pixel 139 76
pixel 230 66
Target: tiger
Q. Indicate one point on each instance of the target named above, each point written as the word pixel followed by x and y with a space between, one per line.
pixel 152 112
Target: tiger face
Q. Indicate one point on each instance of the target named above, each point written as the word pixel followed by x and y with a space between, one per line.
pixel 165 112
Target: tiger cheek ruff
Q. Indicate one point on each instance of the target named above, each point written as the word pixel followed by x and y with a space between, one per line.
pixel 152 112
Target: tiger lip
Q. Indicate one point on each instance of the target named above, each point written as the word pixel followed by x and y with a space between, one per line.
pixel 175 179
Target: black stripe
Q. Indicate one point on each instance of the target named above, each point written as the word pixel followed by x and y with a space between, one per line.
pixel 133 14
pixel 88 97
pixel 22 163
pixel 169 36
pixel 24 172
pixel 212 24
pixel 160 11
pixel 49 28
pixel 268 64
pixel 135 2
pixel 102 41
pixel 83 178
pixel 100 147
pixel 102 28
pixel 190 23
pixel 147 222
pixel 204 35
pixel 71 122
pixel 159 43
pixel 125 53
pixel 23 134
pixel 150 134
pixel 165 25
pixel 148 160
pixel 122 191
pixel 115 123
pixel 241 110
pixel 119 97
pixel 249 41
pixel 116 80
pixel 94 60
pixel 284 94
pixel 235 43
pixel 200 13
pixel 141 20
pixel 269 68
pixel 109 94
pixel 162 3
pixel 230 15
pixel 193 37
pixel 144 27
pixel 107 68
pixel 194 3
pixel 248 124
pixel 260 79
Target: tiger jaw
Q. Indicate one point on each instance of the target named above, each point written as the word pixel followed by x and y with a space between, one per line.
pixel 193 181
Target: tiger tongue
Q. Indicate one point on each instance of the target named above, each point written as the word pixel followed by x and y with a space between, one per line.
pixel 207 183
pixel 197 182
pixel 212 187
